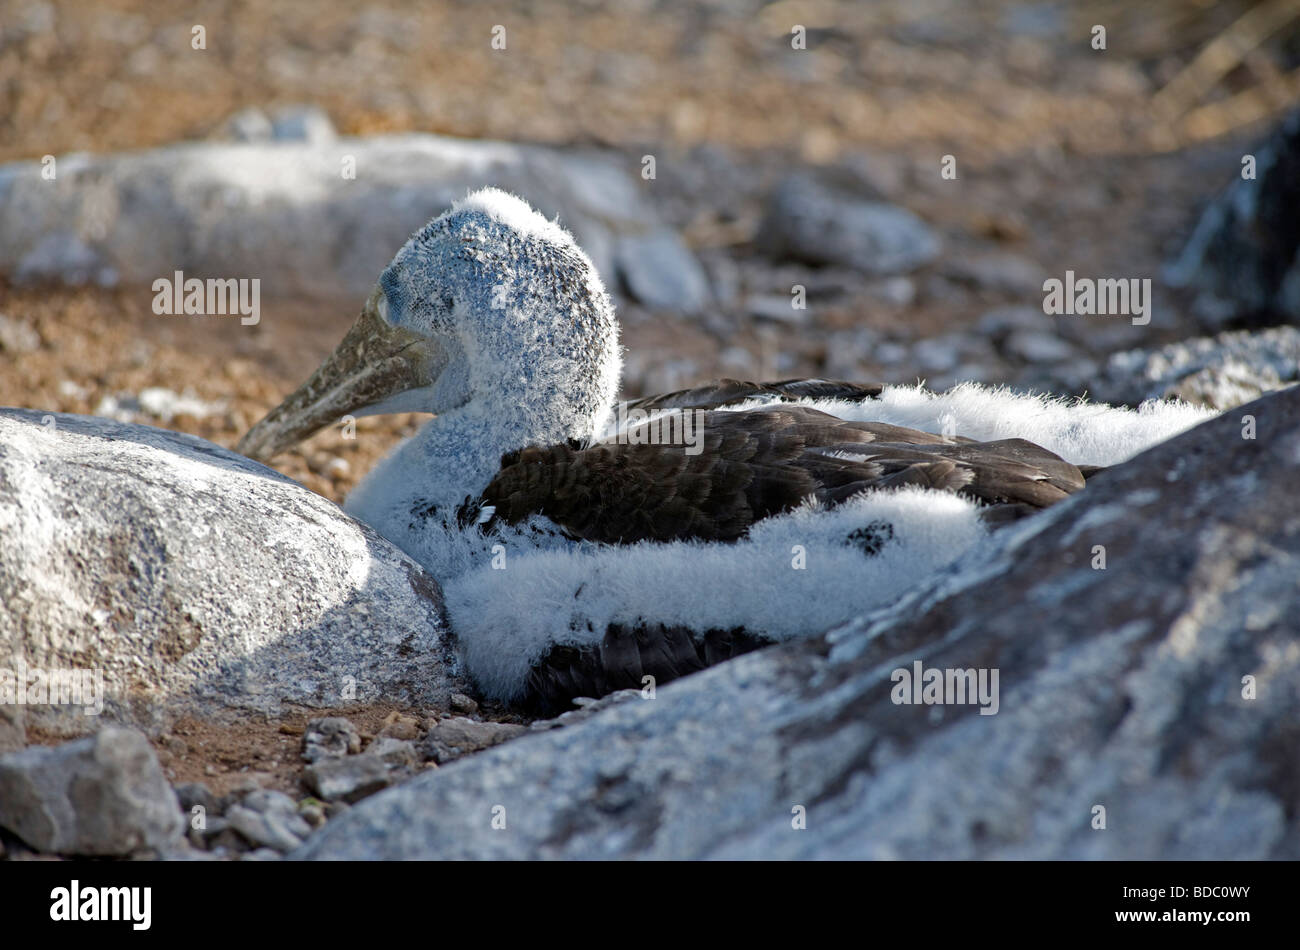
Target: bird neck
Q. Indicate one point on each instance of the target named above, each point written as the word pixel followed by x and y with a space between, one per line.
pixel 456 454
pixel 464 447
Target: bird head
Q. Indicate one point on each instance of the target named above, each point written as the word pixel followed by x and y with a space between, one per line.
pixel 490 304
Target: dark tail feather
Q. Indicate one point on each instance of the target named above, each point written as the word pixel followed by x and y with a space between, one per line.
pixel 625 655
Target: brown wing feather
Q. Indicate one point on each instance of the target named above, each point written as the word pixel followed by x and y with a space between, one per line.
pixel 729 392
pixel 756 464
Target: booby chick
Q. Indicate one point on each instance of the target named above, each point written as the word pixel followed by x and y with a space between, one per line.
pixel 583 547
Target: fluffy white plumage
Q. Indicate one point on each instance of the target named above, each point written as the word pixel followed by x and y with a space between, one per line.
pixel 508 619
pixel 793 576
pixel 533 359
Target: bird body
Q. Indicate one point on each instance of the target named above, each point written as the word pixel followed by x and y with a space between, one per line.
pixel 584 545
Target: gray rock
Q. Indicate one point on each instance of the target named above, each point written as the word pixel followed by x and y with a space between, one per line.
pixel 1040 20
pixel 998 272
pixel 777 309
pixel 191 794
pixel 880 174
pixel 330 737
pixel 847 351
pixel 350 779
pixel 226 842
pixel 1221 372
pixel 1105 338
pixel 1243 257
pixel 309 124
pixel 394 752
pixel 312 812
pixel 268 801
pixel 659 271
pixel 102 795
pixel 935 355
pixel 247 125
pixel 587 707
pixel 245 785
pixel 738 363
pixel 817 223
pixel 889 354
pixel 1037 346
pixel 16 337
pixel 939 289
pixel 400 726
pixel 897 291
pixel 181 578
pixel 449 739
pixel 1120 688
pixel 997 324
pixel 155 403
pixel 1226 385
pixel 269 819
pixel 60 256
pixel 282 210
pixel 463 704
pixel 723 276
pixel 212 826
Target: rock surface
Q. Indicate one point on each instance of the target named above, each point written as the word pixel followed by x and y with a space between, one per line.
pixel 586 707
pixel 269 819
pixel 1164 689
pixel 193 580
pixel 660 272
pixel 999 272
pixel 283 210
pixel 819 223
pixel 449 739
pixel 331 737
pixel 102 795
pixel 16 337
pixel 1220 372
pixel 349 779
pixel 1243 258
pixel 398 753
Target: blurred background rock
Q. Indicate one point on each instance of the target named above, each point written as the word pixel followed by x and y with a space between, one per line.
pixel 774 167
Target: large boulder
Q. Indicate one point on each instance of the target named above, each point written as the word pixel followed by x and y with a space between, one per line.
pixel 288 213
pixel 1243 257
pixel 186 578
pixel 1147 706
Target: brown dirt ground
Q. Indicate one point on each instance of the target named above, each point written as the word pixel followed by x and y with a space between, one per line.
pixel 901 75
pixel 258 751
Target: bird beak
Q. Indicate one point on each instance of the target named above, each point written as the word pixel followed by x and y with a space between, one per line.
pixel 374 362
